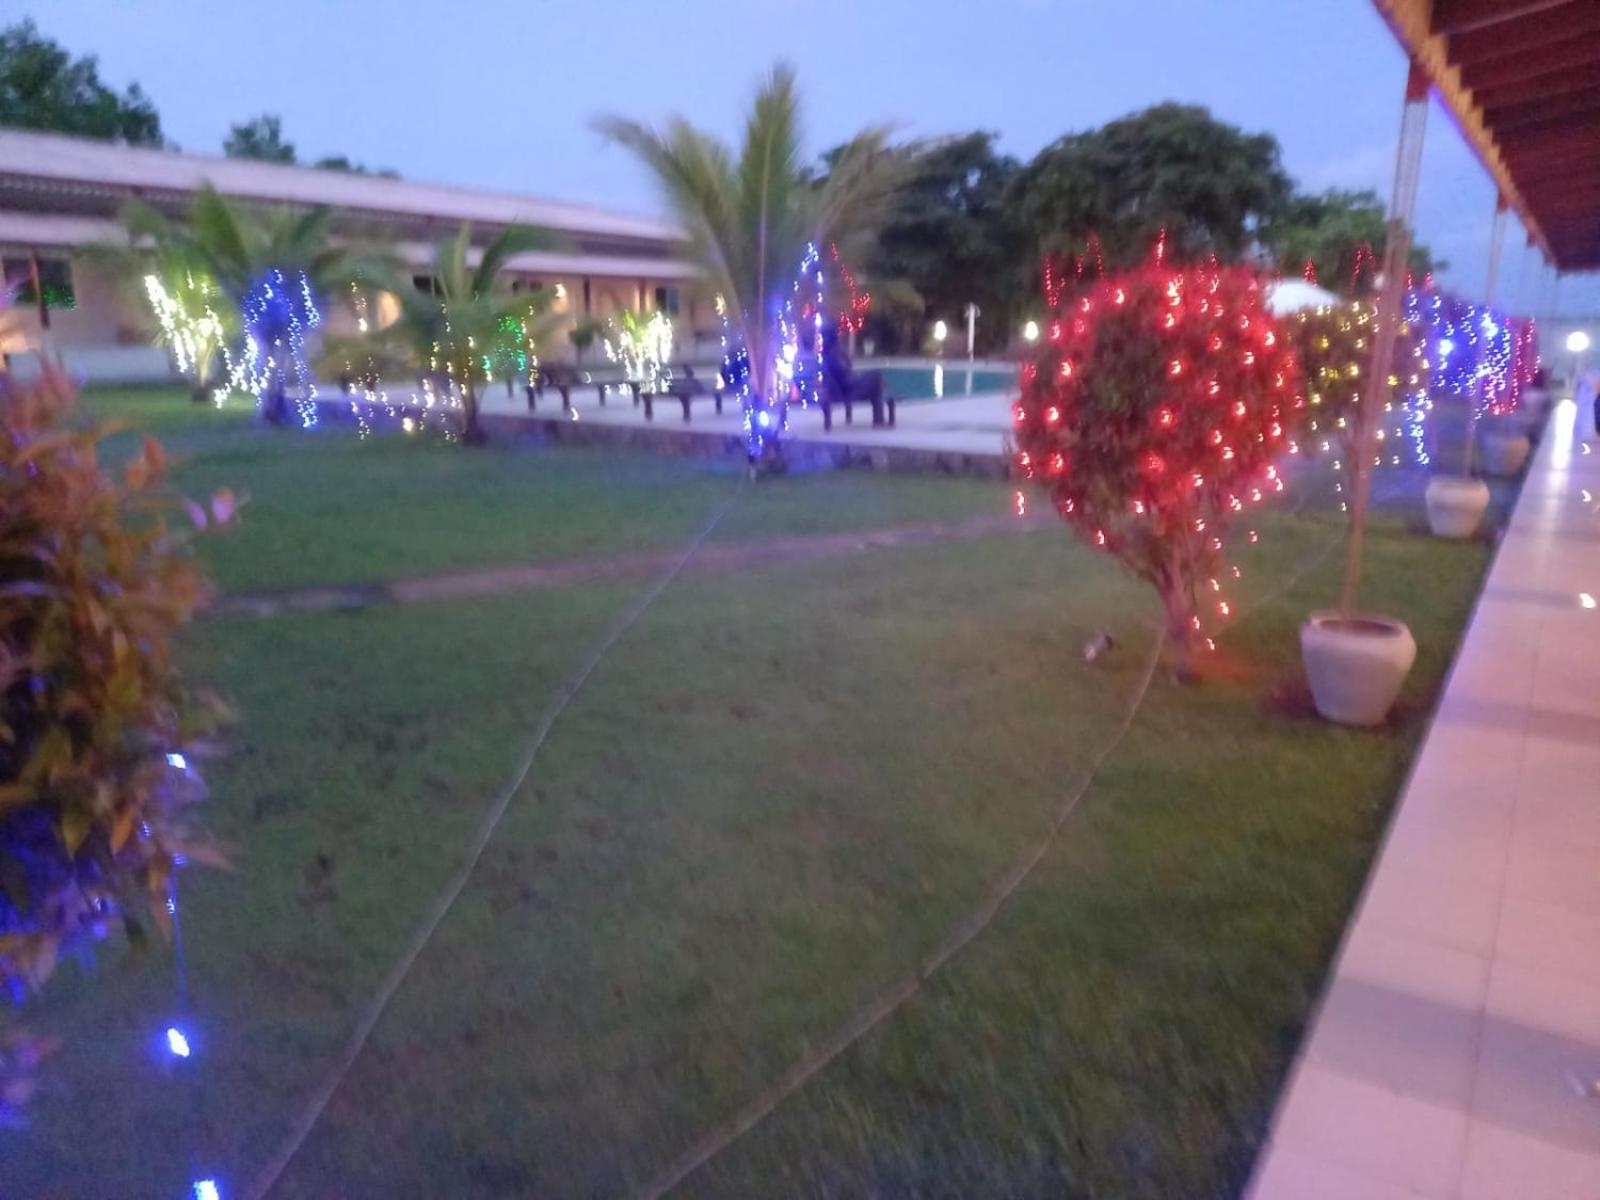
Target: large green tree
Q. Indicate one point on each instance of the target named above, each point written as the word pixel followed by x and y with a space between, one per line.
pixel 1173 167
pixel 1342 234
pixel 42 86
pixel 259 138
pixel 747 217
pixel 948 235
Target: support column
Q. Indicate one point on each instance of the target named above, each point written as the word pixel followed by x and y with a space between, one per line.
pixel 1497 244
pixel 39 297
pixel 1480 393
pixel 1392 282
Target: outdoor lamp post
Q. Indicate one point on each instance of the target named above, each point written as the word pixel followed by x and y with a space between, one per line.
pixel 940 332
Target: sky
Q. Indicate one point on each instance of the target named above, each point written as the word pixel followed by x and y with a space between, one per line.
pixel 495 94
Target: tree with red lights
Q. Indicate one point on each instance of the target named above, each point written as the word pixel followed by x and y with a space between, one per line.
pixel 1152 414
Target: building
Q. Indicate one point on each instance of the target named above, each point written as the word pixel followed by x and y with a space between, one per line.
pixel 58 193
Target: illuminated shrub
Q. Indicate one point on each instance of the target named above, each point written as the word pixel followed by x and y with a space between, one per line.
pixel 1151 414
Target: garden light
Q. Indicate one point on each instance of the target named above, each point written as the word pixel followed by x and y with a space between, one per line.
pixel 1030 331
pixel 940 331
pixel 1577 341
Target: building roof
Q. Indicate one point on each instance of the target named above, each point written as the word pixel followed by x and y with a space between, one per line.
pixel 70 164
pixel 1522 80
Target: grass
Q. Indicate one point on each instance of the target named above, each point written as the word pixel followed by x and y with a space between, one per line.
pixel 775 795
pixel 332 509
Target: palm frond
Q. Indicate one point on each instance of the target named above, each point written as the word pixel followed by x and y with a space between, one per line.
pixel 508 243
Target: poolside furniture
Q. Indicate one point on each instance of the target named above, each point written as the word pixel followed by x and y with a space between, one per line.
pixel 850 388
pixel 555 376
pixel 685 389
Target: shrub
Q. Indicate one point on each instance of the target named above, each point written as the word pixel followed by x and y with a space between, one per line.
pixel 94 715
pixel 1151 414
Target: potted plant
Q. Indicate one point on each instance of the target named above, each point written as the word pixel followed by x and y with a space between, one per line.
pixel 1356 662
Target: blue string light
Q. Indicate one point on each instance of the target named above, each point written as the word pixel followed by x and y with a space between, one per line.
pixel 796 369
pixel 278 314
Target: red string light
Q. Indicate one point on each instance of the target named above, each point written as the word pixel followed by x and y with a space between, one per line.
pixel 1159 489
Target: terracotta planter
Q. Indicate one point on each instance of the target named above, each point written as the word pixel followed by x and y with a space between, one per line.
pixel 1504 451
pixel 1456 505
pixel 1355 665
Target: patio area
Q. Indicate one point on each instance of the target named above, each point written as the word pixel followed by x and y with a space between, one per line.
pixel 1457 1048
pixel 974 424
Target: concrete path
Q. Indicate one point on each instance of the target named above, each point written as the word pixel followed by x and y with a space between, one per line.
pixel 490 581
pixel 976 424
pixel 1456 1052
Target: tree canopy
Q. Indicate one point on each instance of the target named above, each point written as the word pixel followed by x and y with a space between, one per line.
pixel 948 235
pixel 259 138
pixel 1342 234
pixel 44 87
pixel 1173 167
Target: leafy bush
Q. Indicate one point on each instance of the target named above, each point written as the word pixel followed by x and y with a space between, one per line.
pixel 1333 347
pixel 94 716
pixel 1152 413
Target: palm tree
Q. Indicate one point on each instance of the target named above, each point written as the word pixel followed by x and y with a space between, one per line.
pixel 746 222
pixel 161 263
pixel 454 333
pixel 278 268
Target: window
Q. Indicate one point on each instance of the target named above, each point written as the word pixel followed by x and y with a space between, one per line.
pixel 55 277
pixel 667 300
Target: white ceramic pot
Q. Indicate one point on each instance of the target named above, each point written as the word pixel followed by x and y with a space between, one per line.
pixel 1504 451
pixel 1355 665
pixel 1455 505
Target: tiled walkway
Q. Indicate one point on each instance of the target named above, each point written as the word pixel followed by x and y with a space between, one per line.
pixel 1456 1052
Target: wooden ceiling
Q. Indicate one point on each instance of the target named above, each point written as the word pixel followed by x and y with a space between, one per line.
pixel 1522 79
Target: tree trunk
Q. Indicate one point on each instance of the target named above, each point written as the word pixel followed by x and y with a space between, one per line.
pixel 199 393
pixel 1177 601
pixel 471 429
pixel 275 402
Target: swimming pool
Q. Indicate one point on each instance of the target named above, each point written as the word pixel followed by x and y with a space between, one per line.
pixel 938 381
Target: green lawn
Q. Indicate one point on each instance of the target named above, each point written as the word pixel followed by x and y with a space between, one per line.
pixel 331 508
pixel 779 791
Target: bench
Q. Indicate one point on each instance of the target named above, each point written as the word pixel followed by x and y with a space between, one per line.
pixel 865 387
pixel 684 389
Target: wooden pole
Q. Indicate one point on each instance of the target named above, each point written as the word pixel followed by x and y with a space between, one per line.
pixel 1480 390
pixel 1396 256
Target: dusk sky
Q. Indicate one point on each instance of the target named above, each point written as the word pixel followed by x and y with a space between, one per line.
pixel 499 95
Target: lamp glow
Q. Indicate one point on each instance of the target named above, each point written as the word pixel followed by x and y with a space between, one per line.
pixel 177 1043
pixel 1577 341
pixel 1030 331
pixel 206 1189
pixel 940 331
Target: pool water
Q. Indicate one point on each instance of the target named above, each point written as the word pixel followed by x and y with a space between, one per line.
pixel 936 382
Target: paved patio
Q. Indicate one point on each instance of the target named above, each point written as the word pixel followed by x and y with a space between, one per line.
pixel 975 424
pixel 1456 1051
